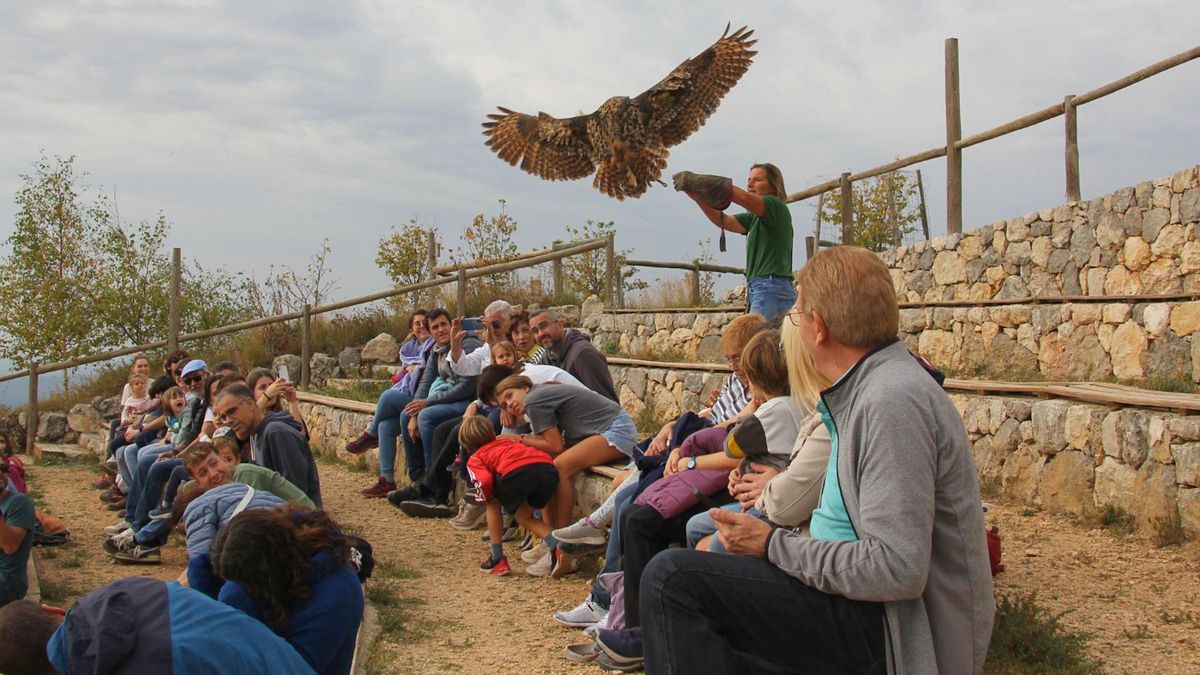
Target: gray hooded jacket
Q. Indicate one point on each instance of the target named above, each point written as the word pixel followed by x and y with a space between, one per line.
pixel 908 481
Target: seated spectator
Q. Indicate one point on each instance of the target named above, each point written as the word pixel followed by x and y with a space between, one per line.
pixel 309 593
pixel 572 351
pixel 521 335
pixel 215 464
pixel 203 513
pixel 278 443
pixel 13 467
pixel 897 547
pixel 140 625
pixel 731 402
pixel 441 395
pixel 16 539
pixel 275 394
pixel 495 321
pixel 508 477
pixel 413 352
pixel 577 426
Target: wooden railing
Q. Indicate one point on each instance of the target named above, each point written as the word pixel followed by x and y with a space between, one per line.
pixel 694 268
pixel 955 143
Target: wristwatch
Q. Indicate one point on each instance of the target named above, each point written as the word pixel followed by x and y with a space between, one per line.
pixel 691 463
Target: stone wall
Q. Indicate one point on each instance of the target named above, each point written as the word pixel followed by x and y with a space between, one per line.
pixel 695 336
pixel 1137 240
pixel 1077 458
pixel 1076 341
pixel 660 394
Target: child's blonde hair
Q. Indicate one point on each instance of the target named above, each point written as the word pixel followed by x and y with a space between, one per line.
pixel 475 433
pixel 506 345
pixel 229 442
pixel 138 377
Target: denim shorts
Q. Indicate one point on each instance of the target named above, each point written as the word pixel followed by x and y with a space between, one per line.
pixel 622 434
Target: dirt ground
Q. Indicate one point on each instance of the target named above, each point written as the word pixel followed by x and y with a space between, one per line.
pixel 1138 602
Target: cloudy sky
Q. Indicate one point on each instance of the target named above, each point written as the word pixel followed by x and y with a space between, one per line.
pixel 262 128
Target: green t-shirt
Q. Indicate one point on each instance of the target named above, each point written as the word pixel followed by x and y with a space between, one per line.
pixel 18 512
pixel 768 239
pixel 266 480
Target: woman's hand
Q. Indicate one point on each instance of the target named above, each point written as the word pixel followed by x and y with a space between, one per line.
pixel 289 391
pixel 273 390
pixel 470 411
pixel 735 477
pixel 414 432
pixel 509 420
pixel 414 407
pixel 659 444
pixel 751 486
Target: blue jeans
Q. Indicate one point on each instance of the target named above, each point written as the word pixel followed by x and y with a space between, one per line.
pixel 701 525
pixel 730 613
pixel 771 296
pixel 138 461
pixel 612 551
pixel 419 453
pixel 152 486
pixel 387 425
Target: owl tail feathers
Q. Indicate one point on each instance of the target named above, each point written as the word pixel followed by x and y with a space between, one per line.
pixel 716 191
pixel 629 172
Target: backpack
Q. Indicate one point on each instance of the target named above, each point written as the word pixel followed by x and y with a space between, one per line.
pixel 49 530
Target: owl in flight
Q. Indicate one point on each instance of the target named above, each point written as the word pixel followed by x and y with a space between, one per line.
pixel 626 141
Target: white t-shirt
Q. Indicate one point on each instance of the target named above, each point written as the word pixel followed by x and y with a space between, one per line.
pixel 539 374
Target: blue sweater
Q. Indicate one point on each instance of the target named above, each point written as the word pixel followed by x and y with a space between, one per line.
pixel 322 628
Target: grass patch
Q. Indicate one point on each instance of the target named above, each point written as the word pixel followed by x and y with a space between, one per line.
pixel 63 460
pixel 991 487
pixel 55 589
pixel 1028 638
pixel 1168 530
pixel 1118 520
pixel 395 611
pixel 391 570
pixel 1182 617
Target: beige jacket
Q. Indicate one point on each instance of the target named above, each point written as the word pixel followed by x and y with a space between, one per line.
pixel 788 499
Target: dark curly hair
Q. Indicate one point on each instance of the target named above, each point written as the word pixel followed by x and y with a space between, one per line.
pixel 267 551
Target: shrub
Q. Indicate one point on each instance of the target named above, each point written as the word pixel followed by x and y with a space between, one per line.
pixel 1030 638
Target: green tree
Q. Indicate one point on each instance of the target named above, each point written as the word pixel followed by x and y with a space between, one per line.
pixel 133 281
pixel 286 290
pixel 885 208
pixel 47 278
pixel 488 241
pixel 586 274
pixel 403 256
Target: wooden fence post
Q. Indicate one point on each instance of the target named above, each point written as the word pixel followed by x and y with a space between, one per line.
pixel 31 413
pixel 173 311
pixel 847 193
pixel 810 247
pixel 306 347
pixel 431 257
pixel 891 208
pixel 556 271
pixel 817 227
pixel 695 282
pixel 610 270
pixel 1073 192
pixel 953 136
pixel 461 288
pixel 924 214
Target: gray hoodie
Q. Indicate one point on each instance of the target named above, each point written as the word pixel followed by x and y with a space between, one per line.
pixel 909 485
pixel 279 446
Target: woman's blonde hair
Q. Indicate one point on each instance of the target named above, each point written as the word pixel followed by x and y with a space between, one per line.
pixel 475 433
pixel 807 382
pixel 774 178
pixel 852 290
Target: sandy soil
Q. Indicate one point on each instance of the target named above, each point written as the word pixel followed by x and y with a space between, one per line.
pixel 1138 602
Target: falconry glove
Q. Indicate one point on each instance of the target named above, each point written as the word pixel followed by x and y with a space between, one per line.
pixel 715 191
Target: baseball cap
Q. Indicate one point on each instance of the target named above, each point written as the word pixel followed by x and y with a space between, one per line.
pixel 195 365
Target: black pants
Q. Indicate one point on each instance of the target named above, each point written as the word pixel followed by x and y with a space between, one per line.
pixel 644 533
pixel 437 483
pixel 721 613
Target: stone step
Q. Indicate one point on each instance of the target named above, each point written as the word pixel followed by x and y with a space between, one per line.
pixel 346 383
pixel 60 451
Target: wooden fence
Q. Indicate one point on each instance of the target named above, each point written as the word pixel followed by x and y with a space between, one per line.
pixel 955 143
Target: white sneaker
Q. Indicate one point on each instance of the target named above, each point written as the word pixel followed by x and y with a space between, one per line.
pixel 114 530
pixel 581 532
pixel 586 614
pixel 536 553
pixel 543 567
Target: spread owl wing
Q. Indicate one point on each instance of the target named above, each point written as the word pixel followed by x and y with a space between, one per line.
pixel 683 101
pixel 553 148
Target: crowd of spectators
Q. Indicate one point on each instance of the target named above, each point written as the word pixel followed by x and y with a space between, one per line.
pixel 821 513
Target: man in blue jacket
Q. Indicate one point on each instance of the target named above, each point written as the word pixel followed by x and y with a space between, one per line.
pixel 895 574
pixel 138 625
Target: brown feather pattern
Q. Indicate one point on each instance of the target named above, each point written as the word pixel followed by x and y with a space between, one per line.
pixel 626 141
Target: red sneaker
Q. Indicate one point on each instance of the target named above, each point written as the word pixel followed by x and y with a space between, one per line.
pixel 498 569
pixel 363 443
pixel 380 489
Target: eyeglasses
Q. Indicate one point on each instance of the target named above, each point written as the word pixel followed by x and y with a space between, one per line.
pixel 794 317
pixel 734 361
pixel 192 379
pixel 228 412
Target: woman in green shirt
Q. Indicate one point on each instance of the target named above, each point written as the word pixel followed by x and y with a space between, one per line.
pixel 767 224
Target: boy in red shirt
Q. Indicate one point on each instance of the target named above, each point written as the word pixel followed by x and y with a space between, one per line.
pixel 511 475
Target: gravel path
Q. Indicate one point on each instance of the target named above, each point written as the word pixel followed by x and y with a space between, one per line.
pixel 1139 602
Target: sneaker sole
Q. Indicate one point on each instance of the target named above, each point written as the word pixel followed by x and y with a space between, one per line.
pixel 574 624
pixel 161 516
pixel 583 652
pixel 580 550
pixel 138 561
pixel 467 527
pixel 419 510
pixel 567 565
pixel 584 541
pixel 610 660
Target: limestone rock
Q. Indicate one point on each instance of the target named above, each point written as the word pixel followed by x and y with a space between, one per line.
pixel 1189 258
pixel 84 418
pixel 948 268
pixel 1189 510
pixel 1019 253
pixel 1116 313
pixel 1067 483
pixel 1161 276
pixel 1128 350
pixel 1169 240
pixel 635 379
pixel 1007 356
pixel 1013 287
pixel 1022 473
pixel 1153 222
pixel 382 348
pixel 1154 492
pixel 1110 230
pixel 1187 463
pixel 322 367
pixel 912 320
pixel 1168 355
pixel 1157 318
pixel 52 426
pixel 1083 241
pixel 1185 318
pixel 349 359
pixel 592 306
pixel 1049 425
pixel 293 363
pixel 1136 254
pixel 940 348
pixel 1184 428
pixel 1189 206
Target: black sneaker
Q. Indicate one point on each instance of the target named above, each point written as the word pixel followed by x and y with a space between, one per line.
pixel 426 508
pixel 139 555
pixel 405 494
